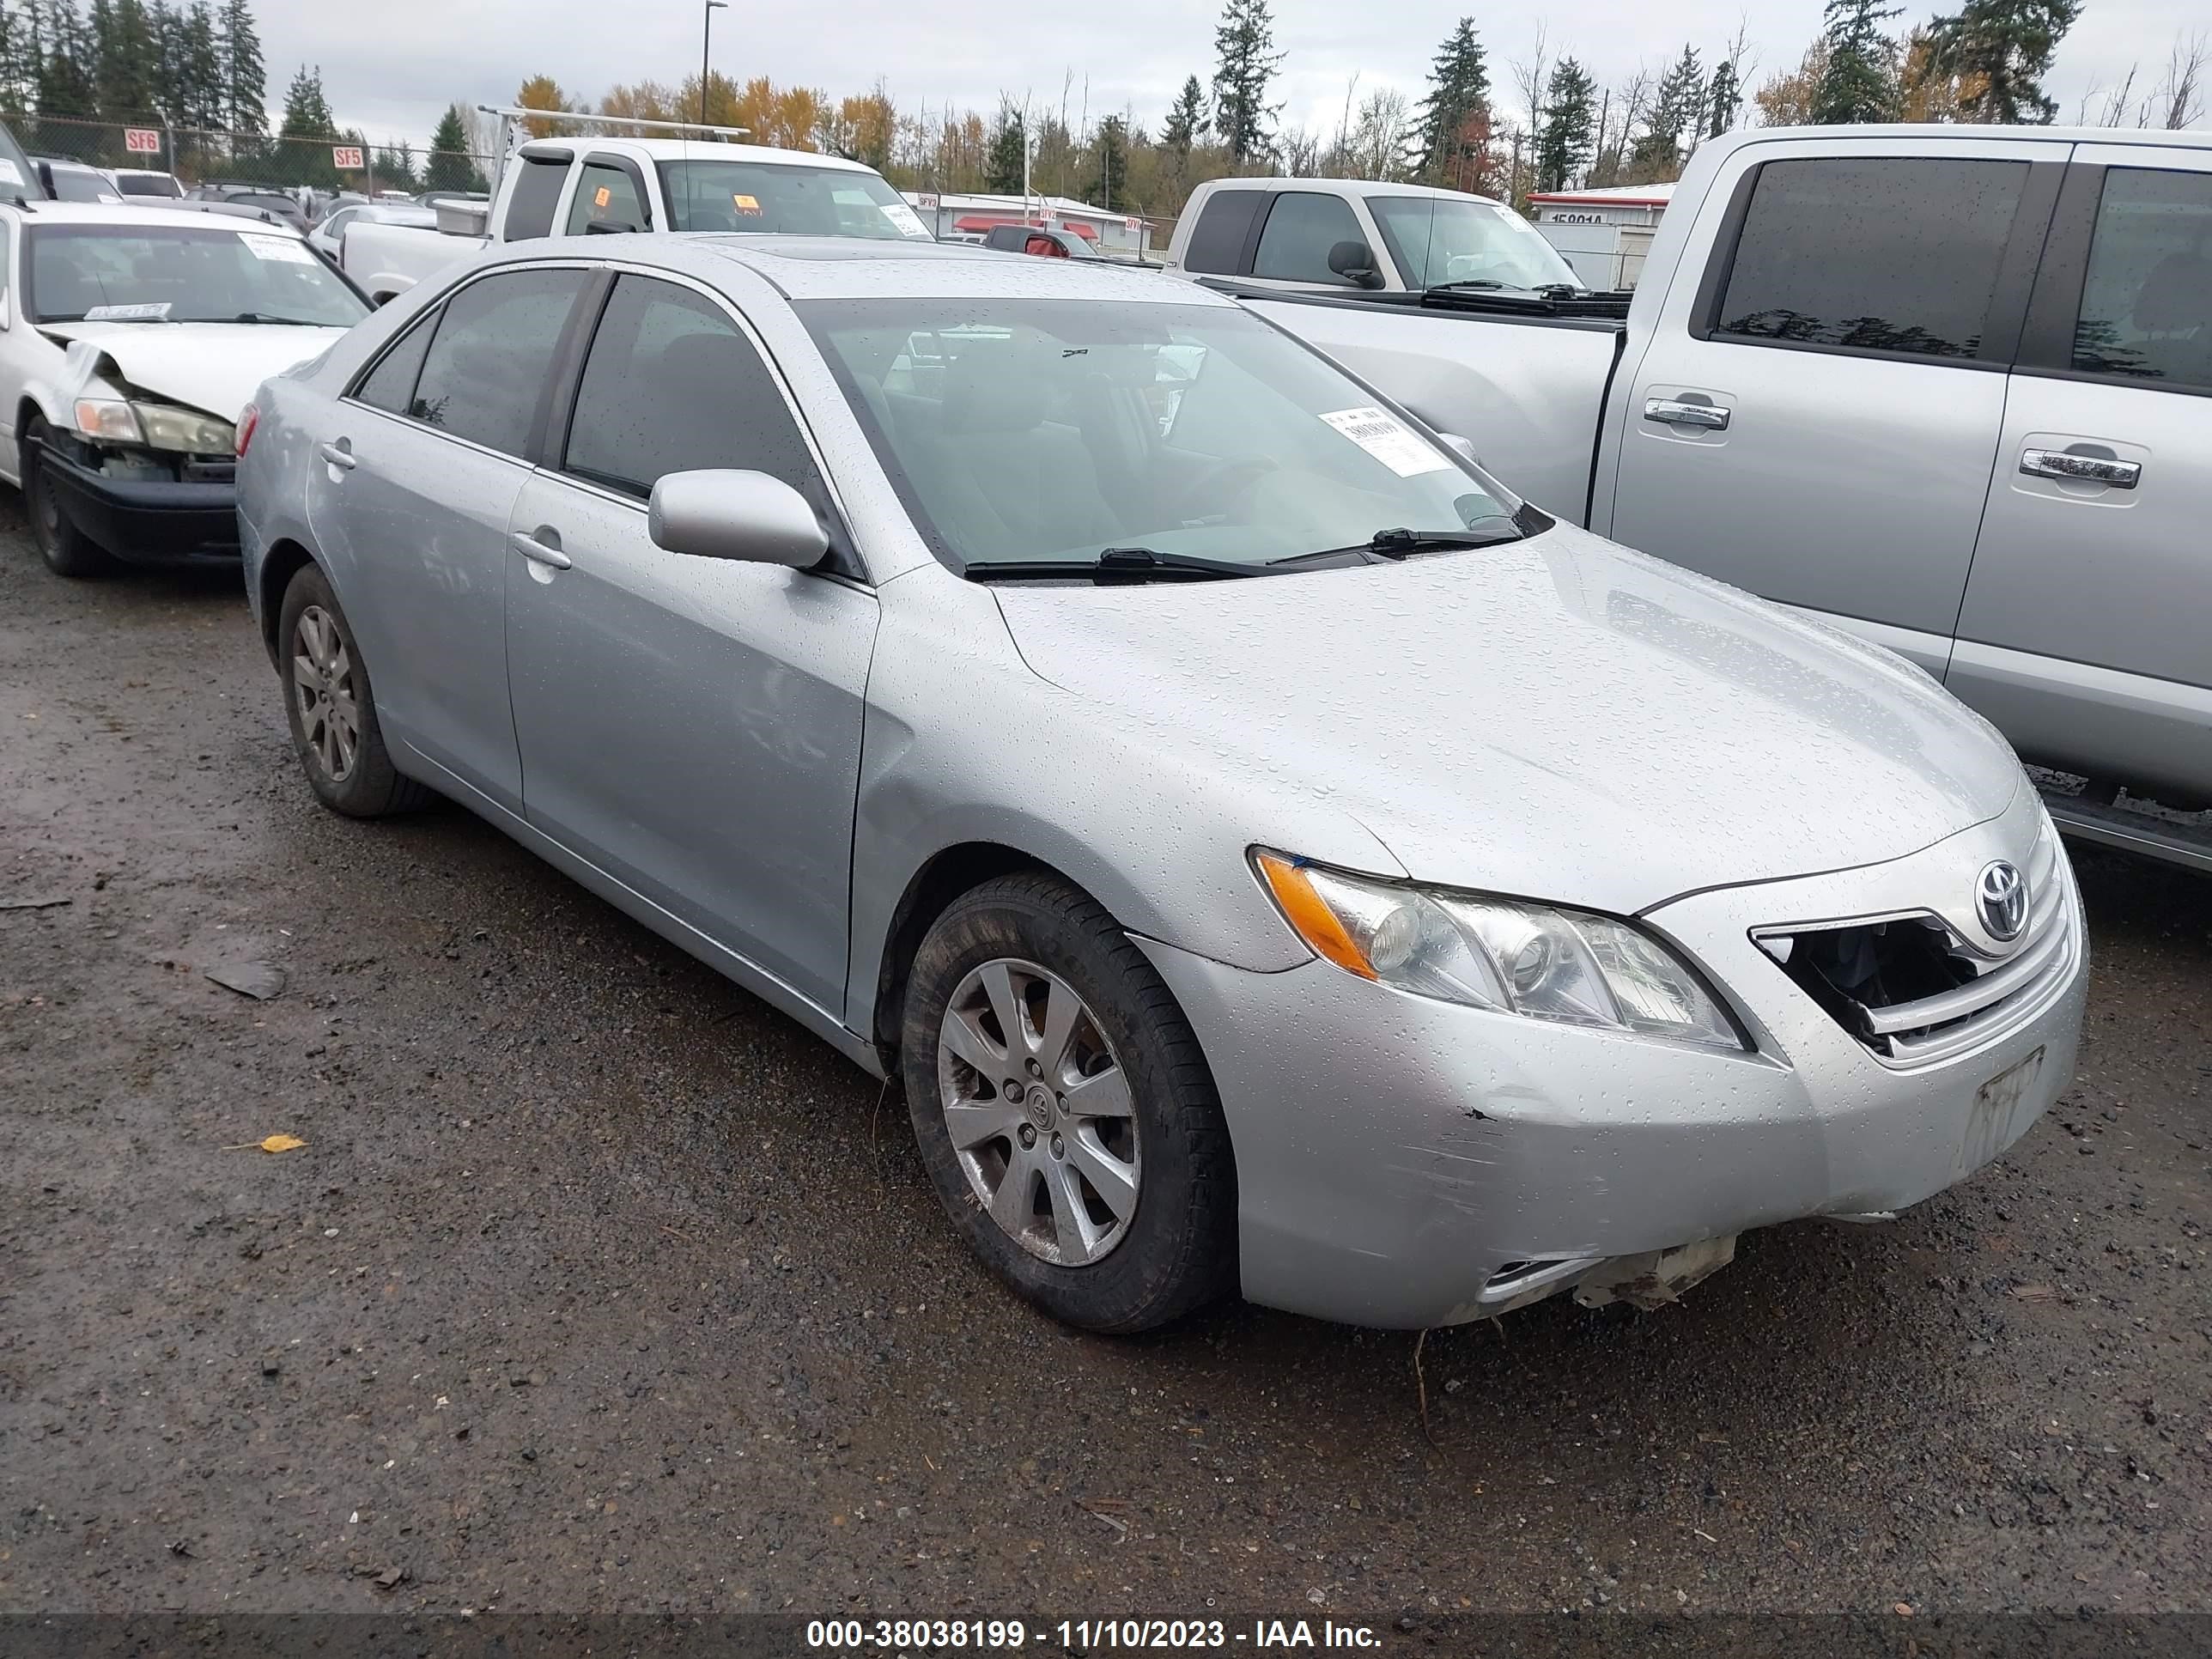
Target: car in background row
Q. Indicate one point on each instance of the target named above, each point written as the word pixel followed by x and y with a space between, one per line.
pixel 273 202
pixel 1271 853
pixel 133 338
pixel 146 183
pixel 72 181
pixel 595 186
pixel 328 238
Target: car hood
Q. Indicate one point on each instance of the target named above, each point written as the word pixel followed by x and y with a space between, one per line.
pixel 1557 718
pixel 215 368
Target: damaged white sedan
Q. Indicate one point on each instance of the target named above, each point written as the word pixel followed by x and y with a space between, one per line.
pixel 130 341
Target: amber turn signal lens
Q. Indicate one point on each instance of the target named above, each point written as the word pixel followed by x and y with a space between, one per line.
pixel 1310 917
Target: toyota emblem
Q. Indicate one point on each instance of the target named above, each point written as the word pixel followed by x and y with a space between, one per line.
pixel 2000 899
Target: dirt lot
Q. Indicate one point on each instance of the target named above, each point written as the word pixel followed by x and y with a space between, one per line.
pixel 596 1286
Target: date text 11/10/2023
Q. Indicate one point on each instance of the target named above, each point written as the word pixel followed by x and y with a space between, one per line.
pixel 1083 1635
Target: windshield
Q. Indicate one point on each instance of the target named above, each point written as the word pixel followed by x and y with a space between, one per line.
pixel 797 201
pixel 182 274
pixel 1437 239
pixel 1021 430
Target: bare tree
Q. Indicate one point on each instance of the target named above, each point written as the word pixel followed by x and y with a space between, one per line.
pixel 1377 141
pixel 2179 99
pixel 1528 80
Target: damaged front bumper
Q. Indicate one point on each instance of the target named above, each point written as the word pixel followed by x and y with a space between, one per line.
pixel 147 520
pixel 1407 1162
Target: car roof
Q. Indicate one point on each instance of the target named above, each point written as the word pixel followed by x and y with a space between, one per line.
pixel 1346 187
pixel 849 268
pixel 692 150
pixel 106 213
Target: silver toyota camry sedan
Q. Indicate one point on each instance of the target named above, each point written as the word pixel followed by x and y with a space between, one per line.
pixel 1270 854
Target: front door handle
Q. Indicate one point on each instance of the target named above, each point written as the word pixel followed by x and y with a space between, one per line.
pixel 538 552
pixel 1673 411
pixel 2080 468
pixel 339 455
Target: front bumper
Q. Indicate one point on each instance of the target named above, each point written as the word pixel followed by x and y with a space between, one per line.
pixel 1407 1162
pixel 148 522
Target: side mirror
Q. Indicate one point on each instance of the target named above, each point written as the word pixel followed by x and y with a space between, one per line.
pixel 1354 262
pixel 608 227
pixel 724 513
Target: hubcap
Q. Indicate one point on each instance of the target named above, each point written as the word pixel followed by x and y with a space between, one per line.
pixel 322 685
pixel 1039 1112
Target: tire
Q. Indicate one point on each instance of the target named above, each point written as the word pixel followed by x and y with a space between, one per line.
pixel 67 551
pixel 326 682
pixel 1166 1240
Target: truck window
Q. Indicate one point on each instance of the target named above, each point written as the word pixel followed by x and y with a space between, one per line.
pixel 1224 222
pixel 536 193
pixel 1876 254
pixel 608 194
pixel 2147 303
pixel 1301 227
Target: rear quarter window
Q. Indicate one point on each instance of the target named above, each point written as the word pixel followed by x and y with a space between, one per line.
pixel 1225 225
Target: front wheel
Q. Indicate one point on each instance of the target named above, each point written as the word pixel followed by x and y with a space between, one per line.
pixel 1064 1110
pixel 67 551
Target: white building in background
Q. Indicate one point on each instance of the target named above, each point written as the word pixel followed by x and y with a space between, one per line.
pixel 1603 234
pixel 956 218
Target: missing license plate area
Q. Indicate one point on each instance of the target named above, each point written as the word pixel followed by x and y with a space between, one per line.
pixel 1994 1121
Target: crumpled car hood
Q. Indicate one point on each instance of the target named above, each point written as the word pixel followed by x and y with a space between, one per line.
pixel 1558 717
pixel 215 368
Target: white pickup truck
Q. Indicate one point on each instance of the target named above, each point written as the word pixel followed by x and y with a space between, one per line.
pixel 578 186
pixel 1947 387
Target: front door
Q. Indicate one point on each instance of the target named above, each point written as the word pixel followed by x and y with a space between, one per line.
pixel 690 725
pixel 1816 422
pixel 410 499
pixel 2085 634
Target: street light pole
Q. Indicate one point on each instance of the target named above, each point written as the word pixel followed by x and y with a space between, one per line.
pixel 706 36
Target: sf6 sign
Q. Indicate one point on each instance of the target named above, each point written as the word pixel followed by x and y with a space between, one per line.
pixel 142 141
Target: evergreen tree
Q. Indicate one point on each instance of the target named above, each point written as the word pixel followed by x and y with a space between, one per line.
pixel 19 52
pixel 1003 169
pixel 1675 107
pixel 1245 62
pixel 1569 135
pixel 306 112
pixel 395 167
pixel 63 86
pixel 1858 83
pixel 125 58
pixel 1110 156
pixel 245 81
pixel 448 165
pixel 1186 120
pixel 1999 51
pixel 1458 89
pixel 200 60
pixel 1723 100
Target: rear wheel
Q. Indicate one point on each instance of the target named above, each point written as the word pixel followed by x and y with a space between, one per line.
pixel 330 709
pixel 1064 1110
pixel 67 551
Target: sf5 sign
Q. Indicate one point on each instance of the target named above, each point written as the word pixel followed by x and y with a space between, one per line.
pixel 346 158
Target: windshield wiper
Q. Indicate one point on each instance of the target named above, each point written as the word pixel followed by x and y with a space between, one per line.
pixel 271 317
pixel 1399 543
pixel 1117 567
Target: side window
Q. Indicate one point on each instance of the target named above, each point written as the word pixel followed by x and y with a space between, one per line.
pixel 608 195
pixel 1304 225
pixel 7 234
pixel 1871 254
pixel 487 367
pixel 671 384
pixel 2147 303
pixel 536 193
pixel 390 386
pixel 1217 241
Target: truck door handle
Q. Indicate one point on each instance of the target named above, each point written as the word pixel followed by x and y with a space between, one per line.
pixel 538 552
pixel 2080 468
pixel 338 455
pixel 1673 411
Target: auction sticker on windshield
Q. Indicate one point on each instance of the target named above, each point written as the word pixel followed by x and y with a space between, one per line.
pixel 150 311
pixel 1389 440
pixel 904 217
pixel 281 249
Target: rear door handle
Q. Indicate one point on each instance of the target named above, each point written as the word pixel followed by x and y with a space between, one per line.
pixel 1673 411
pixel 538 552
pixel 2080 468
pixel 338 455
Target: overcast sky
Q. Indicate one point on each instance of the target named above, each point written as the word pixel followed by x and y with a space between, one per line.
pixel 393 77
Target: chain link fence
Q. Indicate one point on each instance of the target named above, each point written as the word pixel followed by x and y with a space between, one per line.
pixel 206 156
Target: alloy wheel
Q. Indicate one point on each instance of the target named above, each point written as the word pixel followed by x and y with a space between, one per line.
pixel 323 684
pixel 1039 1112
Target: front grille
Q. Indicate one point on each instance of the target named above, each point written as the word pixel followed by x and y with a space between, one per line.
pixel 1914 992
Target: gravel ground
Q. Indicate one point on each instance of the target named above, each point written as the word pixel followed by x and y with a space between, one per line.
pixel 597 1287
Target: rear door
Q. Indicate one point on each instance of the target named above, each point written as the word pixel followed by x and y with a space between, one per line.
pixel 1815 417
pixel 2087 634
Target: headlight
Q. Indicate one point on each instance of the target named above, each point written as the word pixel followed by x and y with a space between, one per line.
pixel 1495 953
pixel 156 426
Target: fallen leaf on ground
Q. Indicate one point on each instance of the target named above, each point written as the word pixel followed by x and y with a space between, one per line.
pixel 271 1144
